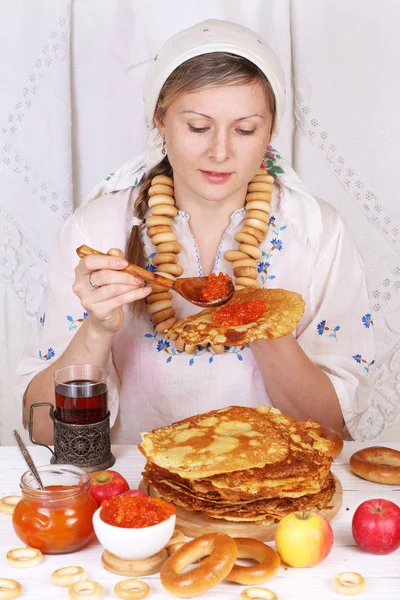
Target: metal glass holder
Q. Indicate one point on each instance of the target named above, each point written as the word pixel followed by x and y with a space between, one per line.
pixel 85 446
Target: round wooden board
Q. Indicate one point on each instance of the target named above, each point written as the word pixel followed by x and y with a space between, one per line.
pixel 193 524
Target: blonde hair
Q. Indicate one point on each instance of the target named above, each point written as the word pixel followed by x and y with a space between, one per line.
pixel 204 71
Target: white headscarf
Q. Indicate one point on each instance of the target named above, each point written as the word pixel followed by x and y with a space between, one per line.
pixel 209 36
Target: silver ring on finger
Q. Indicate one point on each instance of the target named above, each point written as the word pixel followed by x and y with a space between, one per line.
pixel 92 285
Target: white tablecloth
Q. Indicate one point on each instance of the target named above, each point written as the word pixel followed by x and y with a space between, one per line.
pixel 382 573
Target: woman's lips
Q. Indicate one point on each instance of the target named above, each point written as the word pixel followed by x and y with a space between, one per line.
pixel 215 177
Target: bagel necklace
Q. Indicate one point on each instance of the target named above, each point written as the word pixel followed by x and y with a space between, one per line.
pixel 161 203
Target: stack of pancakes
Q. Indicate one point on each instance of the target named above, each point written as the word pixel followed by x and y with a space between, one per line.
pixel 240 464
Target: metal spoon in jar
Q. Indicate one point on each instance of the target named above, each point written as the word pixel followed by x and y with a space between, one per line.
pixel 187 287
pixel 28 459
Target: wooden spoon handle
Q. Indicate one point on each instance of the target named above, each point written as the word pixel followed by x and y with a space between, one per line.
pixel 133 269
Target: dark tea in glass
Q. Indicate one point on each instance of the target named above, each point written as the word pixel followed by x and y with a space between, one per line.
pixel 81 394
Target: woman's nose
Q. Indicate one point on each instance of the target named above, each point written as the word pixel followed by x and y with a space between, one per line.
pixel 219 150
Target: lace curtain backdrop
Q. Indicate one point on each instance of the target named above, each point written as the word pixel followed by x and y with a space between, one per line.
pixel 71 112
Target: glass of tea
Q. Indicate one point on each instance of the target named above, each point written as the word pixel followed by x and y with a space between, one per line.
pixel 81 394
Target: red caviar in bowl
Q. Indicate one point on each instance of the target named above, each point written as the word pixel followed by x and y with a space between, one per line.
pixel 135 511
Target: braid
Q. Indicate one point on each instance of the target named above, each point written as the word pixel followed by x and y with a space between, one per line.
pixel 134 247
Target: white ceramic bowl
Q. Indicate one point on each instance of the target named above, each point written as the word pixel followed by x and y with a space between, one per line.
pixel 131 543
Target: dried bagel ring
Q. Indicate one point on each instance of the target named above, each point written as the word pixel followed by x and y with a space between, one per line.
pixel 231 255
pixel 79 590
pixel 9 588
pixel 244 262
pixel 247 282
pixel 161 199
pixel 8 504
pixel 218 348
pixel 263 171
pixel 174 247
pixel 164 209
pixel 163 315
pixel 131 589
pixel 250 250
pixel 258 205
pixel 246 238
pixel 160 188
pixel 267 562
pixel 257 224
pixel 177 536
pixel 180 344
pixel 219 552
pixel 174 547
pixel 246 272
pixel 164 179
pixel 262 178
pixel 349 584
pixel 66 576
pixel 161 238
pixel 190 348
pixel 151 298
pixel 164 257
pixel 151 231
pixel 165 325
pixel 259 235
pixel 254 213
pixel 174 269
pixel 159 305
pixel 239 287
pixel 24 558
pixel 154 220
pixel 260 187
pixel 259 197
pixel 378 464
pixel 257 592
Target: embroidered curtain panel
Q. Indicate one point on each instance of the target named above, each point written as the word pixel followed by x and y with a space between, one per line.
pixel 71 111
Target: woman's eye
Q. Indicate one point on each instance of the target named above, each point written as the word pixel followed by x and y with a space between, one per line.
pixel 197 129
pixel 245 131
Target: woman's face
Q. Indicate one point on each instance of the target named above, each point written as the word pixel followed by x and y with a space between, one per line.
pixel 216 138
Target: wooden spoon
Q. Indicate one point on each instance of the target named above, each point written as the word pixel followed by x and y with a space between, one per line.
pixel 187 287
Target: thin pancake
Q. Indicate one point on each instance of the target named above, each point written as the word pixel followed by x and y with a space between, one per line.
pixel 253 511
pixel 220 441
pixel 283 311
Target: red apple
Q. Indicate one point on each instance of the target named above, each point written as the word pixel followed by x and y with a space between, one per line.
pixel 105 484
pixel 134 493
pixel 376 526
pixel 303 539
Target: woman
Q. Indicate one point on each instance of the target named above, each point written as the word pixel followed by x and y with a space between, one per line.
pixel 214 97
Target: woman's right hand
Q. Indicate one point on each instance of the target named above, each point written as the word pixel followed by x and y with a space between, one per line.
pixel 115 288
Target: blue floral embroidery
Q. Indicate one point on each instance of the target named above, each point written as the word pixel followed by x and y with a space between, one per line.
pixel 361 361
pixel 148 260
pixel 165 345
pixel 162 345
pixel 74 323
pixel 42 319
pixel 322 327
pixel 276 244
pixel 263 267
pixel 49 354
pixel 367 320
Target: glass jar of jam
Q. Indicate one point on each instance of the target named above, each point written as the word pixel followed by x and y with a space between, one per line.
pixel 58 519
